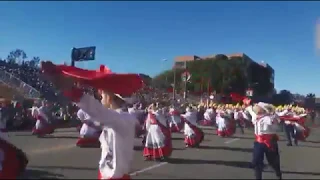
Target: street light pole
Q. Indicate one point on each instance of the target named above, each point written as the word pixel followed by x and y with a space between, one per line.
pixel 174 82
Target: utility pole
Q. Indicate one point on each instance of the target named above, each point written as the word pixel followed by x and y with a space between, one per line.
pixel 174 82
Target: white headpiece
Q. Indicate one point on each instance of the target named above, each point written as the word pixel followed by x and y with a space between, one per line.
pixel 128 100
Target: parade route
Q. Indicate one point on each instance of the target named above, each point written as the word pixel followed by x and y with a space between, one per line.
pixel 57 157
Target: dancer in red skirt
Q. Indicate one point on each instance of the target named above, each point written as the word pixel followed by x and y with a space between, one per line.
pixel 193 134
pixel 176 124
pixel 158 145
pixel 43 126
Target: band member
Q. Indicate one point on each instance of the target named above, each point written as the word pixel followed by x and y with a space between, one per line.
pixel 158 145
pixel 13 161
pixel 117 137
pixel 89 132
pixel 193 134
pixel 265 128
pixel 43 126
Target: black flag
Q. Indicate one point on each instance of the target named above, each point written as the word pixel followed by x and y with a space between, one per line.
pixel 83 54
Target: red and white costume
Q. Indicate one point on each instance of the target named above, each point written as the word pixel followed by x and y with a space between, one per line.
pixel 117 137
pixel 158 145
pixel 42 126
pixel 12 160
pixel 209 117
pixel 176 124
pixel 298 121
pixel 89 132
pixel 225 125
pixel 242 117
pixel 193 134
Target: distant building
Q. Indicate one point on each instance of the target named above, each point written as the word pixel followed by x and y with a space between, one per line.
pixel 260 76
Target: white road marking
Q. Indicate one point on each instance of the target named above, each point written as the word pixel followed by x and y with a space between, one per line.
pixel 231 140
pixel 148 169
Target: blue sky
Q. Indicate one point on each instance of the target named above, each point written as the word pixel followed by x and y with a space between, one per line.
pixel 135 36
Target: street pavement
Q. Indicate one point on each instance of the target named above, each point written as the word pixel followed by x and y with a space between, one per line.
pixel 57 157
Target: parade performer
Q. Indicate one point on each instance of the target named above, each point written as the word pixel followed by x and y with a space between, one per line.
pixel 266 143
pixel 294 125
pixel 13 161
pixel 89 132
pixel 226 124
pixel 240 118
pixel 176 124
pixel 117 137
pixel 158 145
pixel 208 116
pixel 193 134
pixel 42 126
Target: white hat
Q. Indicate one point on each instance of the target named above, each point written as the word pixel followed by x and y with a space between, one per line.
pixel 263 106
pixel 128 100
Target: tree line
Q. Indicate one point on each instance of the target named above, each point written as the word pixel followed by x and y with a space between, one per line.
pixel 19 56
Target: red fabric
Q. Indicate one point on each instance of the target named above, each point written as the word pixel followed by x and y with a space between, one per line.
pixel 126 176
pixel 196 139
pixel 206 122
pixel 74 94
pixel 236 97
pixel 14 162
pixel 229 131
pixel 164 151
pixel 123 84
pixel 303 135
pixel 43 131
pixel 88 141
pixel 266 139
pixel 176 128
pixel 289 118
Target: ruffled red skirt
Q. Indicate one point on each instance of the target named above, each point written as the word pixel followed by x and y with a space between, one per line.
pixel 303 135
pixel 47 129
pixel 14 161
pixel 176 127
pixel 229 131
pixel 126 176
pixel 196 138
pixel 206 122
pixel 88 142
pixel 162 152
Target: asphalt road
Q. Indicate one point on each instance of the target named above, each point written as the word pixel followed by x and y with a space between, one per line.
pixel 218 158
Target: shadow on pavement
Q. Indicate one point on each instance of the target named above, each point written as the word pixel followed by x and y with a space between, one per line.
pixel 177 138
pixel 66 167
pixel 299 173
pixel 226 148
pixel 40 174
pixel 23 134
pixel 62 137
pixel 239 164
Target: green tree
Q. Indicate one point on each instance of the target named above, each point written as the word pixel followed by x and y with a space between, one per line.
pixel 34 62
pixel 16 56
